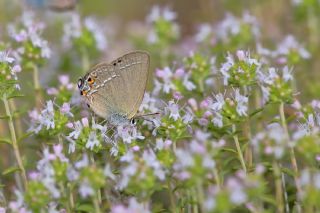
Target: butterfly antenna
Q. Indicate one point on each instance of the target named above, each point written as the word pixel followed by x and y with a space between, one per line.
pixel 147 114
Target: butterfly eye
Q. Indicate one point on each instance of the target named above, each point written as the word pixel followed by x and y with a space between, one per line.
pixel 90 80
pixel 80 82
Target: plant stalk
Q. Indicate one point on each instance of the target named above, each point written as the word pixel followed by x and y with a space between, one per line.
pixel 292 156
pixel 236 140
pixel 14 142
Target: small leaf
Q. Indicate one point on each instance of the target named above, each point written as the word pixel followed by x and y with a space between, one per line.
pixel 85 208
pixel 24 136
pixel 4 117
pixel 288 171
pixel 229 150
pixel 5 140
pixel 10 170
pixel 256 112
pixel 15 96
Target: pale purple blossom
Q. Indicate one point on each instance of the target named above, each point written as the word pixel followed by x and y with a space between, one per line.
pixel 203 33
pixel 173 110
pixel 290 44
pixel 242 103
pixel 76 131
pixel 218 120
pixel 85 189
pixel 161 13
pixel 92 141
pixel 133 207
pixel 219 102
pixel 189 85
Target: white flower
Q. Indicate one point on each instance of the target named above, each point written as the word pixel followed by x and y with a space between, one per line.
pixel 77 130
pixel 96 31
pixel 286 74
pixel 134 207
pixel 188 84
pixel 226 67
pixel 158 13
pixel 72 174
pixel 187 118
pixel 291 44
pixel 208 162
pixel 238 196
pixel 4 57
pixel 173 110
pixel 159 144
pixel 83 162
pixel 184 158
pixel 92 140
pixel 209 204
pixel 204 31
pixel 151 160
pixel 218 104
pixel 85 189
pixel 108 173
pixel 218 120
pixel 46 118
pixel 242 103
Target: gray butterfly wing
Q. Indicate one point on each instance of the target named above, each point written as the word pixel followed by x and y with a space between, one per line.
pixel 120 85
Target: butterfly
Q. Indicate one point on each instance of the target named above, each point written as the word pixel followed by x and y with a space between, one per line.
pixel 114 91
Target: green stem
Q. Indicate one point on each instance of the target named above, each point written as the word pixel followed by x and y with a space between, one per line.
pixel 18 124
pixel 172 198
pixel 70 196
pixel 14 142
pixel 292 155
pixel 200 195
pixel 236 140
pixel 217 178
pixel 278 187
pixel 37 87
pixel 96 204
pixel 285 194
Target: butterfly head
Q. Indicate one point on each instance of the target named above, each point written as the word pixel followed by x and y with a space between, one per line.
pixel 85 84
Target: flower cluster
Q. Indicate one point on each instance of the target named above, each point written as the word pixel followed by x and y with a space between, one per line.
pixel 9 69
pixel 233 109
pixel 165 30
pixel 27 35
pixel 86 34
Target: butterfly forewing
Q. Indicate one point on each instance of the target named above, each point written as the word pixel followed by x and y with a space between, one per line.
pixel 120 85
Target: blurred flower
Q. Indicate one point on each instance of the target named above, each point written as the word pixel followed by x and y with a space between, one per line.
pixel 28 32
pixel 85 189
pixel 86 33
pixel 133 207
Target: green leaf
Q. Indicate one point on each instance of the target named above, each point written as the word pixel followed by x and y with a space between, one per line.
pixel 5 140
pixel 229 150
pixel 24 136
pixel 15 96
pixel 85 208
pixel 10 170
pixel 4 117
pixel 256 112
pixel 268 199
pixel 288 171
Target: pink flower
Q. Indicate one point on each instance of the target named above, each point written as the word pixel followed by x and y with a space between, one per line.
pixel 177 95
pixel 85 122
pixel 69 125
pixel 65 108
pixel 179 73
pixel 52 91
pixel 64 79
